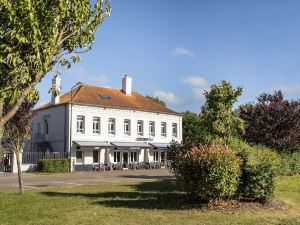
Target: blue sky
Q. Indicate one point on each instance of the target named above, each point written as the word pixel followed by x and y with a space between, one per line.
pixel 176 49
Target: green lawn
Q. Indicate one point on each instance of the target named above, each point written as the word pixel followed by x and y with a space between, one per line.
pixel 136 203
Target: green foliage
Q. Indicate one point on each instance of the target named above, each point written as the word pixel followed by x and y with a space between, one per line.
pixel 290 163
pixel 260 166
pixel 39 36
pixel 209 172
pixel 156 100
pixel 218 118
pixel 191 127
pixel 53 165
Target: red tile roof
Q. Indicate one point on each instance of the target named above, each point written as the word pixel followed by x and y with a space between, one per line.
pixel 91 95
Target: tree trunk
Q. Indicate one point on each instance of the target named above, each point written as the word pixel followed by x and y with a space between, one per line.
pixel 19 172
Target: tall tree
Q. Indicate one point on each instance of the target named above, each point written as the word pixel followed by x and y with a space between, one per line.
pixel 38 36
pixel 218 117
pixel 272 121
pixel 191 127
pixel 17 132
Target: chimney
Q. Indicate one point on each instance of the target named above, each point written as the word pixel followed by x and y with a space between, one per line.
pixel 55 89
pixel 127 85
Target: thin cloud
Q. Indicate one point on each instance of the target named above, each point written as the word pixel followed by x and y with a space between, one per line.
pixel 168 97
pixel 181 51
pixel 290 89
pixel 199 85
pixel 100 79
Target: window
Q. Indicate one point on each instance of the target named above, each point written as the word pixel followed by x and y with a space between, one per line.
pixel 152 128
pixel 111 126
pixel 133 156
pixel 95 156
pixel 80 124
pixel 155 156
pixel 117 157
pixel 140 128
pixel 96 125
pixel 78 156
pixel 164 129
pixel 174 129
pixel 162 156
pixel 127 127
pixel 46 124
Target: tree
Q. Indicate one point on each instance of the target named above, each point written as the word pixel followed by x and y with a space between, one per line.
pixel 272 121
pixel 218 117
pixel 39 36
pixel 156 100
pixel 191 127
pixel 17 131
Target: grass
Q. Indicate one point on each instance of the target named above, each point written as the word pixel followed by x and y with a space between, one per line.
pixel 136 203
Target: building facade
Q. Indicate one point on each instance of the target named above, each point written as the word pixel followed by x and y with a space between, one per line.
pixel 103 125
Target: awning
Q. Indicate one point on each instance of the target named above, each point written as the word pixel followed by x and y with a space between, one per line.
pixel 131 144
pixel 160 145
pixel 93 143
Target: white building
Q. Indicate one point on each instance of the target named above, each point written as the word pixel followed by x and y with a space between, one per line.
pixel 107 126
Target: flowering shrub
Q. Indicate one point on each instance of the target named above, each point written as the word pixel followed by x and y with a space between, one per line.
pixel 208 172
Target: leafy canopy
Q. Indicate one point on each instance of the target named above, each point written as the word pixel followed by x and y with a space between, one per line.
pixel 272 121
pixel 156 100
pixel 218 117
pixel 38 36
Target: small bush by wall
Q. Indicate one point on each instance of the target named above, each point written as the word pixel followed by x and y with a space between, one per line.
pixel 53 165
pixel 259 168
pixel 208 172
pixel 290 163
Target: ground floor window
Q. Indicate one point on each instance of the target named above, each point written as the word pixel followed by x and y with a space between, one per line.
pixel 79 157
pixel 95 156
pixel 117 156
pixel 133 156
pixel 155 156
pixel 162 156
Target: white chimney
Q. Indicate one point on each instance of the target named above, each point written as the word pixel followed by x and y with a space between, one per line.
pixel 127 85
pixel 55 89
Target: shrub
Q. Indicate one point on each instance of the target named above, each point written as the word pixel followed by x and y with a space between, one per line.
pixel 53 165
pixel 259 168
pixel 290 163
pixel 208 172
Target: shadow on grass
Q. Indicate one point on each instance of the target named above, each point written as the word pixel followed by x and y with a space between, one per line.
pixel 161 194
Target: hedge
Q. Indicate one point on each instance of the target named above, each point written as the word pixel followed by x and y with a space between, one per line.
pixel 53 165
pixel 290 163
pixel 209 172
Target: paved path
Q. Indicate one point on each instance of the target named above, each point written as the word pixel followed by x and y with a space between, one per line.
pixel 9 182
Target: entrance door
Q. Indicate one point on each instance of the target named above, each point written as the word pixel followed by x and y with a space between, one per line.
pixel 125 159
pixel 95 156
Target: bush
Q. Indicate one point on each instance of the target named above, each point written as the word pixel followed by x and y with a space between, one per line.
pixel 53 165
pixel 290 163
pixel 208 172
pixel 259 168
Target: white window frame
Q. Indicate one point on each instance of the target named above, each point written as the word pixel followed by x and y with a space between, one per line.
pixel 96 120
pixel 80 124
pixel 175 134
pixel 111 123
pixel 163 129
pixel 140 124
pixel 151 126
pixel 127 127
pixel 116 153
pixel 134 156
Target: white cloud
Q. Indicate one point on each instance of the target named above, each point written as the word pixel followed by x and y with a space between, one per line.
pixel 290 89
pixel 168 97
pixel 181 51
pixel 199 85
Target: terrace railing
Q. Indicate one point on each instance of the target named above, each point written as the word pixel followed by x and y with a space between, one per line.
pixel 34 157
